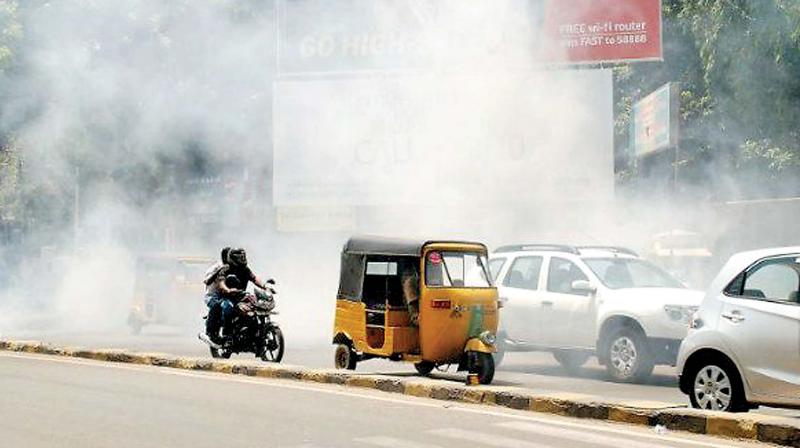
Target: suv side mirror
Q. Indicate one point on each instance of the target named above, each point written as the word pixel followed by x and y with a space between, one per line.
pixel 583 286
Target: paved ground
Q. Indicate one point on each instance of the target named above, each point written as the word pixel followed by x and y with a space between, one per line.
pixel 52 401
pixel 538 371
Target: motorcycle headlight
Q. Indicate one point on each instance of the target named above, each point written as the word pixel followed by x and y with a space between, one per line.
pixel 487 337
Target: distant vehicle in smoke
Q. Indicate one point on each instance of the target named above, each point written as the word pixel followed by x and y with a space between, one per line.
pixel 166 287
pixel 579 302
pixel 684 254
pixel 743 347
pixel 252 329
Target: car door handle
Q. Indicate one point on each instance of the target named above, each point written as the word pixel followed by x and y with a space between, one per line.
pixel 733 316
pixel 547 303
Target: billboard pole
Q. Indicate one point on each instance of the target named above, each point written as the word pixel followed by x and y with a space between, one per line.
pixel 675 129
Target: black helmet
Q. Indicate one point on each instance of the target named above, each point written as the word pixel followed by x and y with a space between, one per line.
pixel 224 254
pixel 232 282
pixel 237 257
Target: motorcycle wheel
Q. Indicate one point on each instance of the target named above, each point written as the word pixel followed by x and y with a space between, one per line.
pixel 273 346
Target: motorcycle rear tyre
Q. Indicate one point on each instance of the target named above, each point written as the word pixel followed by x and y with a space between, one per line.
pixel 219 353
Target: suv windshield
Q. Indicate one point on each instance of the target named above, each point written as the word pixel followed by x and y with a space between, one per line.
pixel 457 269
pixel 618 273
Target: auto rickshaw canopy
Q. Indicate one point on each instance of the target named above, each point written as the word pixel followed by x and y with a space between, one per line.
pixel 357 249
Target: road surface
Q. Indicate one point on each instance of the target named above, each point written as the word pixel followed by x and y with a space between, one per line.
pixel 52 401
pixel 537 371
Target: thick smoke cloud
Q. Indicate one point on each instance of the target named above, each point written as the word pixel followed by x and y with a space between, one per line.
pixel 124 115
pixel 155 121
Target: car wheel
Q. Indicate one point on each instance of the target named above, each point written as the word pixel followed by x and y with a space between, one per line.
pixel 716 386
pixel 345 357
pixel 627 357
pixel 570 360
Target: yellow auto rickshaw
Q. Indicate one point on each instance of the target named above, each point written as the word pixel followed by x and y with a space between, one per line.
pixel 167 289
pixel 431 303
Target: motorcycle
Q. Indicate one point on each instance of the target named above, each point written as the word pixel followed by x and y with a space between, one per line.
pixel 252 329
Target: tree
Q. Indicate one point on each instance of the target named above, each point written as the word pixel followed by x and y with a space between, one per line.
pixel 737 61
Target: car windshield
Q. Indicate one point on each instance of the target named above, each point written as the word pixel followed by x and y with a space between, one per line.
pixel 618 273
pixel 457 269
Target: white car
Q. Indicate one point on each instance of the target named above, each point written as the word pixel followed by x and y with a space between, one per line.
pixel 579 302
pixel 743 348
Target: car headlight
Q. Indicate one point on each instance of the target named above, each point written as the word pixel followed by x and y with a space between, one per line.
pixel 680 313
pixel 487 337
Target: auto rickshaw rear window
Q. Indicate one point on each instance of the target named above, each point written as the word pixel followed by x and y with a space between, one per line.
pixel 456 270
pixel 381 268
pixel 382 282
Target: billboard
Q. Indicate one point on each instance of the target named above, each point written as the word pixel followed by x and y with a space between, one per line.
pixel 435 140
pixel 592 31
pixel 319 36
pixel 654 120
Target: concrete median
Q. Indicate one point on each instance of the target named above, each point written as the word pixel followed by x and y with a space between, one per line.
pixel 781 431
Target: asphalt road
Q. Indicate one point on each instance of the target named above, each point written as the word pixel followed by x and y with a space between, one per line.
pixel 52 401
pixel 534 370
pixel 538 371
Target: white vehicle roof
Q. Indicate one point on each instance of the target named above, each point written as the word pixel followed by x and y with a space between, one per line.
pixel 581 251
pixel 740 261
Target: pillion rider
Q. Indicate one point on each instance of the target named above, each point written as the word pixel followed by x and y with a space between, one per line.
pixel 213 297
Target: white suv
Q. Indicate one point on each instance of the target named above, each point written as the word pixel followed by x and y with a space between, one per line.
pixel 582 301
pixel 743 348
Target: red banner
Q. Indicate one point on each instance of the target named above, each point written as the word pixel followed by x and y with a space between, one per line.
pixel 589 31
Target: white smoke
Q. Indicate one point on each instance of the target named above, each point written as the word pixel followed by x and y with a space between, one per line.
pixel 492 145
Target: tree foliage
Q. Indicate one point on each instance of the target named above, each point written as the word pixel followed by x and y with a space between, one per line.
pixel 738 62
pixel 10 32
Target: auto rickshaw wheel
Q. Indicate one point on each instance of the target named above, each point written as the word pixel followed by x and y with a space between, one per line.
pixel 424 368
pixel 345 357
pixel 482 364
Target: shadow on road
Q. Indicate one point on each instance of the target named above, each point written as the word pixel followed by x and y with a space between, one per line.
pixel 589 373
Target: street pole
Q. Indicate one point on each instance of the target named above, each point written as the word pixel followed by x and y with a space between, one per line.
pixel 675 171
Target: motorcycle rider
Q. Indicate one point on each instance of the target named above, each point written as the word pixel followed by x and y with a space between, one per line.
pixel 232 290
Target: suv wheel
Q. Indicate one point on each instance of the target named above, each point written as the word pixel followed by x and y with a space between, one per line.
pixel 716 386
pixel 627 357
